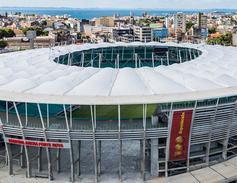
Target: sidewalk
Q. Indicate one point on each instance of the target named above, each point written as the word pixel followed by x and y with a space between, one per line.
pixel 222 172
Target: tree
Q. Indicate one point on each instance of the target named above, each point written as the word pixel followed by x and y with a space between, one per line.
pixel 79 36
pixel 39 31
pixel 225 39
pixel 212 30
pixel 189 25
pixel 5 32
pixel 3 44
pixel 43 23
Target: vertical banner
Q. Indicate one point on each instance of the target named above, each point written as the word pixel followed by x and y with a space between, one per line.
pixel 179 135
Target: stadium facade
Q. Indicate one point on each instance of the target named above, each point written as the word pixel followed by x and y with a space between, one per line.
pixel 178 100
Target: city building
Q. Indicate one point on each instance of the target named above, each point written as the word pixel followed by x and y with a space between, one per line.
pixel 200 31
pixel 180 23
pixel 19 43
pixel 234 39
pixel 105 21
pixel 160 33
pixel 202 21
pixel 143 33
pixel 83 22
pixel 90 30
pixel 122 33
pixel 127 38
pixel 167 22
pixel 199 34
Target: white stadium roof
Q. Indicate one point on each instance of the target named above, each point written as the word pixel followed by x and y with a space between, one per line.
pixel 33 76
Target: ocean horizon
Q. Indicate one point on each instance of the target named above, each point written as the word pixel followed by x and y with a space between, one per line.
pixel 89 13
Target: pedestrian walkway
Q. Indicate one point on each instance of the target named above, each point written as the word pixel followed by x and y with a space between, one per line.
pixel 222 172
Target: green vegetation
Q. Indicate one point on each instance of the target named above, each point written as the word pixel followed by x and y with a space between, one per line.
pixel 144 21
pixel 189 25
pixel 225 39
pixel 79 36
pixel 6 33
pixel 43 23
pixel 3 44
pixel 212 30
pixel 39 31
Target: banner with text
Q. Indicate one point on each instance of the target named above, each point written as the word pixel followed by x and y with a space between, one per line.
pixel 56 145
pixel 179 135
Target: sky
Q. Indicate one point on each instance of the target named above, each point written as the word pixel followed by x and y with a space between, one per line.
pixel 124 4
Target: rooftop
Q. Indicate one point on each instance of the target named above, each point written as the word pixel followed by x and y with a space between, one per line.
pixel 33 76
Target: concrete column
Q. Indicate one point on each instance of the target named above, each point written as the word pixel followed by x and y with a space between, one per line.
pixel 99 157
pixel 154 158
pixel 95 161
pixel 180 57
pixel 136 59
pixel 39 159
pixel 93 121
pixel 10 165
pixel 82 59
pixel 100 59
pixel 153 59
pixel 168 58
pixel 141 156
pixel 22 157
pixel 120 144
pixel 58 160
pixel 72 176
pixel 120 159
pixel 79 158
pixel 6 158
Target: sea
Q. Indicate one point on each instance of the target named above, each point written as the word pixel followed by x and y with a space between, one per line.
pixel 95 13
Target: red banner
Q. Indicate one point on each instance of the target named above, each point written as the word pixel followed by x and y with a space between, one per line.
pixel 179 137
pixel 37 143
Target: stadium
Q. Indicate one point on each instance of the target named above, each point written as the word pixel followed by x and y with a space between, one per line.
pixel 177 100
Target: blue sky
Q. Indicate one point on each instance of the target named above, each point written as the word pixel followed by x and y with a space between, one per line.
pixel 154 4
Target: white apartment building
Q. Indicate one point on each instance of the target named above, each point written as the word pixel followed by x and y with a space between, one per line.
pixel 180 23
pixel 142 33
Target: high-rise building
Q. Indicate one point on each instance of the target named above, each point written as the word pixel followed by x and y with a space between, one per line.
pixel 180 23
pixel 167 22
pixel 200 31
pixel 202 21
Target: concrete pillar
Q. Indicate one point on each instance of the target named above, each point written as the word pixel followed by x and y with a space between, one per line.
pixel 120 160
pixel 153 59
pixel 99 157
pixel 136 59
pixel 39 159
pixel 58 160
pixel 22 158
pixel 95 161
pixel 141 156
pixel 154 158
pixel 79 159
pixel 10 165
pixel 100 59
pixel 72 175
